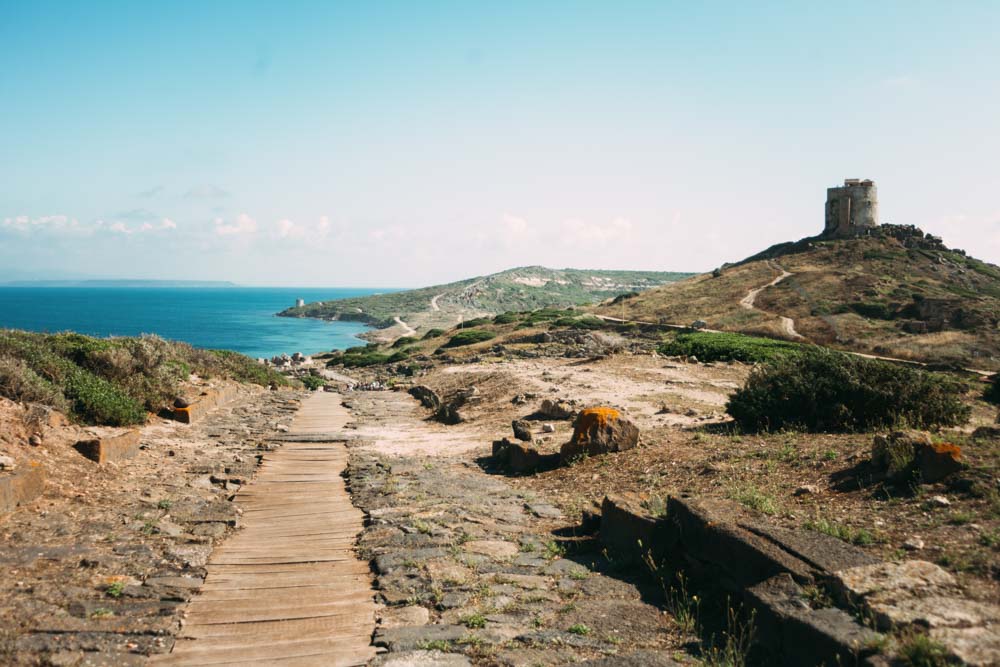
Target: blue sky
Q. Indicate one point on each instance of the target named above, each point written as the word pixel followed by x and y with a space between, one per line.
pixel 408 143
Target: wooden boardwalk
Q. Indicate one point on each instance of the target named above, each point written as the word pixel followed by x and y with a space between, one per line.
pixel 288 588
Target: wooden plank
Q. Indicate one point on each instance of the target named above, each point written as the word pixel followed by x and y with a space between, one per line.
pixel 288 589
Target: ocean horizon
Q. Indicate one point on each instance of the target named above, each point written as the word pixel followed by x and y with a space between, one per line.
pixel 236 318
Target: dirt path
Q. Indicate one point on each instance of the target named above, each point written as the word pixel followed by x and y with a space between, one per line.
pixel 288 589
pixel 407 329
pixel 434 302
pixel 787 323
pixel 468 564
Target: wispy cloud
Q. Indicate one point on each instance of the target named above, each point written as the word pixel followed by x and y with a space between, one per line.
pixel 206 191
pixel 244 225
pixel 152 192
pixel 137 215
pixel 63 224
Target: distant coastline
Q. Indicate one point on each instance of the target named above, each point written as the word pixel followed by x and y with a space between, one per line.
pixel 215 284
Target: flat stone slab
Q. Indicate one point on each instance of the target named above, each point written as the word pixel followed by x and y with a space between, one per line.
pixel 106 449
pixel 409 638
pixel 493 548
pixel 21 486
pixel 797 634
pixel 422 659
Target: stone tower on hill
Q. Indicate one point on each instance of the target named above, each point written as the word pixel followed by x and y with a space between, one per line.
pixel 852 209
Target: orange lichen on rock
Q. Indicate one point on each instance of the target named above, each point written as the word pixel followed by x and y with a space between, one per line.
pixel 938 460
pixel 591 418
pixel 947 449
pixel 599 431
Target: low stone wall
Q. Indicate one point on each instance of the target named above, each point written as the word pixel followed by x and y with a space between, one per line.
pixel 24 485
pixel 106 449
pixel 766 569
pixel 208 400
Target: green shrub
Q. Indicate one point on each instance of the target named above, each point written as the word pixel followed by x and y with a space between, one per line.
pixel 992 393
pixel 366 358
pixel 507 318
pixel 469 337
pixel 873 311
pixel 536 317
pixel 111 381
pixel 728 347
pixel 313 382
pixel 478 322
pixel 398 356
pixel 434 333
pixel 587 322
pixel 405 340
pixel 19 383
pixel 830 391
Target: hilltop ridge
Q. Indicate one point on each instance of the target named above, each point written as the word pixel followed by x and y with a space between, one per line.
pixel 520 288
pixel 894 291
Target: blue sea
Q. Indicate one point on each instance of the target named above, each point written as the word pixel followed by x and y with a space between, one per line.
pixel 233 318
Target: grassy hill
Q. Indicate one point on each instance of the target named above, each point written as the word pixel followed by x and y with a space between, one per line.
pixel 111 381
pixel 520 289
pixel 898 293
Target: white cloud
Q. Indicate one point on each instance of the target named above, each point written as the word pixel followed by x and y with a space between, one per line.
pixel 323 226
pixel 579 232
pixel 243 225
pixel 286 229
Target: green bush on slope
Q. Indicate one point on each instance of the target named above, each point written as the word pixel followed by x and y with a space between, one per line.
pixel 820 390
pixel 728 347
pixel 111 381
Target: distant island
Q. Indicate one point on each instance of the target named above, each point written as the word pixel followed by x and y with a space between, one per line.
pixel 524 288
pixel 118 283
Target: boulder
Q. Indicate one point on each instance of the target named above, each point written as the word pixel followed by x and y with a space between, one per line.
pixel 895 454
pixel 522 430
pixel 501 450
pixel 935 461
pixel 450 413
pixel 600 431
pixel 523 458
pixel 904 455
pixel 427 396
pixel 558 409
pixel 7 463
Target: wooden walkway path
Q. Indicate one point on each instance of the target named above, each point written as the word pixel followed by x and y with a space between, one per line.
pixel 288 588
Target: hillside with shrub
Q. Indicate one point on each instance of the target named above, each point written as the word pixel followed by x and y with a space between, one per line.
pixel 520 289
pixel 111 381
pixel 898 293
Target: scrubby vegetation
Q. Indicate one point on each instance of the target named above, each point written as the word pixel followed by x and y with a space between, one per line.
pixel 729 347
pixel 992 393
pixel 519 289
pixel 111 381
pixel 469 337
pixel 820 390
pixel 433 333
pixel 586 322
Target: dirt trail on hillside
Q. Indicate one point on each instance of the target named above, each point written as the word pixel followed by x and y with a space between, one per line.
pixel 434 302
pixel 407 329
pixel 288 588
pixel 787 323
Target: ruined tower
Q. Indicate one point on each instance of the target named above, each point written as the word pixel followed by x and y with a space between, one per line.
pixel 852 208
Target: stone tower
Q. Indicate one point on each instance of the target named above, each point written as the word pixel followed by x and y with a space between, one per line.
pixel 851 209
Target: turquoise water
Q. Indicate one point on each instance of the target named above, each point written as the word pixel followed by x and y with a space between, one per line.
pixel 235 318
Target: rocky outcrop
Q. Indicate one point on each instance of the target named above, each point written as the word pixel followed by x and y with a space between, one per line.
pixel 600 431
pixel 903 456
pixel 522 430
pixel 427 396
